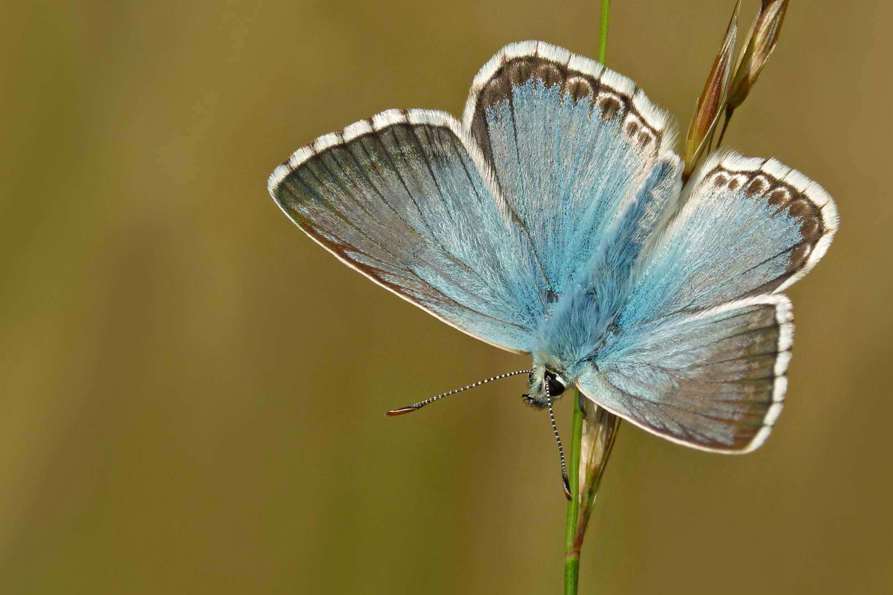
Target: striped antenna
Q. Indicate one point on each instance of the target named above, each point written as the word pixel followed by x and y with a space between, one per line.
pixel 455 391
pixel 564 478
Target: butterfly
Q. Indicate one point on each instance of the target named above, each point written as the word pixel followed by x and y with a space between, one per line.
pixel 553 221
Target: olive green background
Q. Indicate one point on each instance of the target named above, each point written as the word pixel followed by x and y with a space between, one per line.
pixel 192 391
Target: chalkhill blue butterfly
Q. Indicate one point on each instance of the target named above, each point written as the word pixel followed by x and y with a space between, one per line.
pixel 553 221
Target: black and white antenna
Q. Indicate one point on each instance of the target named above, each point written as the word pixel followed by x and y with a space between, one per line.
pixel 455 391
pixel 564 478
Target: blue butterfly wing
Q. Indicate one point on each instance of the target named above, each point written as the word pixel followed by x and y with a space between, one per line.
pixel 713 380
pixel 699 349
pixel 749 227
pixel 406 199
pixel 571 143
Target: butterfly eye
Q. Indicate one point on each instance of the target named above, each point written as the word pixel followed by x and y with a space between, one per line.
pixel 556 386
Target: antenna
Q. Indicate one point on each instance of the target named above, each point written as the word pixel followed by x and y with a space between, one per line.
pixel 564 478
pixel 455 391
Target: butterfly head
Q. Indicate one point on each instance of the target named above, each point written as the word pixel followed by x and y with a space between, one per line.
pixel 544 383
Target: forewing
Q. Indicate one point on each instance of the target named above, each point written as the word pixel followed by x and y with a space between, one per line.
pixel 406 199
pixel 748 227
pixel 714 380
pixel 570 143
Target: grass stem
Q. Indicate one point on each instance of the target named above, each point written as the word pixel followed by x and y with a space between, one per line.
pixel 571 550
pixel 573 541
pixel 603 31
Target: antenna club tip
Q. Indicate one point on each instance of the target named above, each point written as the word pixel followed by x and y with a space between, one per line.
pixel 567 488
pixel 401 411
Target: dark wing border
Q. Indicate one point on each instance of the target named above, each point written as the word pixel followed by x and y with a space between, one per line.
pixel 644 122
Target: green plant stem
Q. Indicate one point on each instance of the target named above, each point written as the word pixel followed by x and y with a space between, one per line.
pixel 603 31
pixel 571 550
pixel 572 543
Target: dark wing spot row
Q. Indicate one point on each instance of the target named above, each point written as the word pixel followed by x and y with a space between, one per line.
pixel 609 102
pixel 760 185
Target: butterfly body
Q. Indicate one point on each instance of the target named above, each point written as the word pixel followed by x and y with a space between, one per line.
pixel 553 221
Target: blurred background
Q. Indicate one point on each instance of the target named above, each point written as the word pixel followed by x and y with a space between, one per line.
pixel 193 392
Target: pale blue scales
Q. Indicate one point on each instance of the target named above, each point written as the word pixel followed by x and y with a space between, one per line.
pixel 552 221
pixel 548 145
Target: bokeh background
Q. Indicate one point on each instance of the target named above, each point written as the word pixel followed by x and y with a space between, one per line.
pixel 192 391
